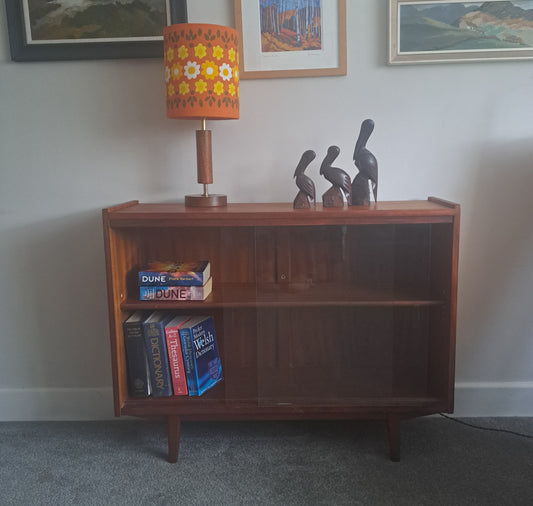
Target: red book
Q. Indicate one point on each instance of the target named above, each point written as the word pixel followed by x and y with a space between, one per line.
pixel 175 356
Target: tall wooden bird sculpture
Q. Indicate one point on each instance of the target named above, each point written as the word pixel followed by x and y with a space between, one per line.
pixel 367 164
pixel 340 180
pixel 304 183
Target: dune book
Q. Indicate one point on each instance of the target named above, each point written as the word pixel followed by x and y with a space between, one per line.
pixel 175 273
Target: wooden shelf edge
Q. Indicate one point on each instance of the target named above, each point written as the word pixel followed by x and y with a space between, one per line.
pixel 198 409
pixel 135 214
pixel 147 305
pixel 251 296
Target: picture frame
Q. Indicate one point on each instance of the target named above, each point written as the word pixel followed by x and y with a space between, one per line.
pixel 291 38
pixel 423 31
pixel 24 48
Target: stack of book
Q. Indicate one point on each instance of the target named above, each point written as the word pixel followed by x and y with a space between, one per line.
pixel 169 354
pixel 175 281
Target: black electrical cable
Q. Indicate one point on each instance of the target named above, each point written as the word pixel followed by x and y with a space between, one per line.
pixel 485 428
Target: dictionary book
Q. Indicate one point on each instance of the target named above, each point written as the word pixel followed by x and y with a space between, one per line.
pixel 136 361
pixel 156 351
pixel 203 368
pixel 176 293
pixel 175 356
pixel 175 273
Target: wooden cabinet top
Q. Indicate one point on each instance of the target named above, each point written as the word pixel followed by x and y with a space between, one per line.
pixel 135 214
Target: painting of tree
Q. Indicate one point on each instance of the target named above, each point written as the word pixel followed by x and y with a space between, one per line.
pixel 290 25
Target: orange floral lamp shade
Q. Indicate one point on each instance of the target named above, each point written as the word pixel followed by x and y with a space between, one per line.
pixel 201 71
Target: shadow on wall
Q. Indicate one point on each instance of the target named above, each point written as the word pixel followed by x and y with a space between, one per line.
pixel 497 266
pixel 57 304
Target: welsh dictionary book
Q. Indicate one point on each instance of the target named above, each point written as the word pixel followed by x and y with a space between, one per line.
pixel 175 356
pixel 203 368
pixel 176 292
pixel 175 273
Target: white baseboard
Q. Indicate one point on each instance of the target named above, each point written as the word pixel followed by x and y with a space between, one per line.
pixel 471 400
pixel 36 404
pixel 494 399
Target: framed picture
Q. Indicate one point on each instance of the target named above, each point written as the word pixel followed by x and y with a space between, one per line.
pixel 77 30
pixel 291 38
pixel 422 31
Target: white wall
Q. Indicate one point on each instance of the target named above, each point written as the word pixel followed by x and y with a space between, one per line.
pixel 79 136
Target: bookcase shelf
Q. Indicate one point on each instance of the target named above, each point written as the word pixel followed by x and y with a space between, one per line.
pixel 247 295
pixel 325 313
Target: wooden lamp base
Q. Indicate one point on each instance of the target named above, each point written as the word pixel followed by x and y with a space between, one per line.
pixel 206 200
pixel 205 173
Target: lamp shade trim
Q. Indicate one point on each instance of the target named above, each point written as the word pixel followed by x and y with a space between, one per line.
pixel 201 71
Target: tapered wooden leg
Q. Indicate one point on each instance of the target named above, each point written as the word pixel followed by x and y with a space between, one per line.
pixel 393 431
pixel 173 435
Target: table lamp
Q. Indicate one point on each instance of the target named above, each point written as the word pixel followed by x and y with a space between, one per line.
pixel 202 83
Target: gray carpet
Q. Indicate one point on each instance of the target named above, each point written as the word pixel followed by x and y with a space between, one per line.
pixel 266 463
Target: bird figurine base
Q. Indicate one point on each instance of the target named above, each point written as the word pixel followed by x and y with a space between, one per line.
pixel 301 201
pixel 360 191
pixel 333 197
pixel 206 200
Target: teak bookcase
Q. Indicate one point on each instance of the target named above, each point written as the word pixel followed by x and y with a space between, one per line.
pixel 327 313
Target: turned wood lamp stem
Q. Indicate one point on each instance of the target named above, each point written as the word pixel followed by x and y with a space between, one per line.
pixel 204 159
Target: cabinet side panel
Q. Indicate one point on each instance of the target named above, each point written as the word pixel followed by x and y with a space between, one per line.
pixel 442 319
pixel 121 252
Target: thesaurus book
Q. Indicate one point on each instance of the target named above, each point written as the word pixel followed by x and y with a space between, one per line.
pixel 175 356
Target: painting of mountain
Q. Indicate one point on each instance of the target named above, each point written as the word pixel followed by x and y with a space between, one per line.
pixel 466 26
pixel 91 20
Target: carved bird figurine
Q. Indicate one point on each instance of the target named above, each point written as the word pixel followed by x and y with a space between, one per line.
pixel 367 164
pixel 338 178
pixel 304 183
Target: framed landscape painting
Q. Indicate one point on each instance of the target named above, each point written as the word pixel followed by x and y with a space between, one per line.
pixel 291 38
pixel 450 30
pixel 89 29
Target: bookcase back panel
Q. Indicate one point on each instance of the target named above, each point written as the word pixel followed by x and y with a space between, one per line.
pixel 383 260
pixel 342 356
pixel 238 350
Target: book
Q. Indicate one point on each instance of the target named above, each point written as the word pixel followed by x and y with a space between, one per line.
pixel 203 368
pixel 175 273
pixel 136 361
pixel 156 351
pixel 175 356
pixel 176 292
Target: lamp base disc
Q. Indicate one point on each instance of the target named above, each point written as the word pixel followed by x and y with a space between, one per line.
pixel 203 201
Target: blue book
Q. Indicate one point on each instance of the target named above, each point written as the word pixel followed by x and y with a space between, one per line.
pixel 203 368
pixel 157 354
pixel 175 273
pixel 136 361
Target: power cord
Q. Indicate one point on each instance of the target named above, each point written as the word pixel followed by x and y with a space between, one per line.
pixel 485 428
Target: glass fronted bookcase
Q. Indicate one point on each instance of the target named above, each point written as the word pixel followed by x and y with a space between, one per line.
pixel 327 313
